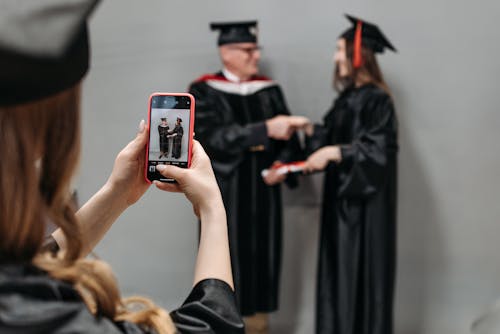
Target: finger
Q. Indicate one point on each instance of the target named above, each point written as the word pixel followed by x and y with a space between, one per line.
pixel 170 187
pixel 172 172
pixel 199 151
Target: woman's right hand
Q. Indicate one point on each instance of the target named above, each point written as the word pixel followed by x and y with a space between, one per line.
pixel 198 182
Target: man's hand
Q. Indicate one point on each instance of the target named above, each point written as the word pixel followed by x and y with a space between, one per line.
pixel 302 123
pixel 279 127
pixel 282 127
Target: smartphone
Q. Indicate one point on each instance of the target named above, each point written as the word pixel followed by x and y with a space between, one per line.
pixel 171 126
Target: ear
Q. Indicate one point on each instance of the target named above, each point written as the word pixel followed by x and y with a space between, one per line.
pixel 224 54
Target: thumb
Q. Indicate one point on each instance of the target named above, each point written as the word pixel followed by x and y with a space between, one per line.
pixel 170 171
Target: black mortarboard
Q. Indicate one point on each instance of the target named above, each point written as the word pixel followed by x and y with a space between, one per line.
pixel 371 36
pixel 236 32
pixel 163 118
pixel 43 47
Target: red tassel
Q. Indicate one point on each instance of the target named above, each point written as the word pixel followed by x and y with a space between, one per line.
pixel 357 61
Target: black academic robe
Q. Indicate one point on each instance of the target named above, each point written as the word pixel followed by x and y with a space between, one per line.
pixel 163 132
pixel 230 124
pixel 358 230
pixel 32 302
pixel 177 141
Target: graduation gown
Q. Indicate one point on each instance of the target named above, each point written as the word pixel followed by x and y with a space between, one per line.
pixel 230 124
pixel 33 302
pixel 177 141
pixel 163 132
pixel 358 229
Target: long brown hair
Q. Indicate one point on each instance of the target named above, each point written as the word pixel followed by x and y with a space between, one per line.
pixel 39 152
pixel 369 70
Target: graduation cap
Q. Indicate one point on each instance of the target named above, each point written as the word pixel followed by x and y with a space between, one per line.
pixel 44 47
pixel 368 35
pixel 236 32
pixel 163 119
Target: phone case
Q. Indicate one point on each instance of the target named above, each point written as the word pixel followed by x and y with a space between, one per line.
pixel 190 134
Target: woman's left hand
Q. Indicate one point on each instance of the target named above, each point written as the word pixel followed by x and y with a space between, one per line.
pixel 127 178
pixel 321 158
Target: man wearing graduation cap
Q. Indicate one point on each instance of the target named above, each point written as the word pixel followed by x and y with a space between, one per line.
pixel 163 133
pixel 357 147
pixel 244 125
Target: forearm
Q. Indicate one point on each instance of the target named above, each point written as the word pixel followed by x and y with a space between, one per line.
pixel 95 218
pixel 213 259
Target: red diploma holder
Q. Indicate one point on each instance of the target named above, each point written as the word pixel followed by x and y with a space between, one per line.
pixel 296 167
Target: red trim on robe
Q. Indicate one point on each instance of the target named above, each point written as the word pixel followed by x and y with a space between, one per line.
pixel 220 77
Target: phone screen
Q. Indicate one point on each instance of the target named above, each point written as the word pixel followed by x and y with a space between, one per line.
pixel 169 126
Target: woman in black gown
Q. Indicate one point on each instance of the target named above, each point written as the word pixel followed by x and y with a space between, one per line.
pixel 177 134
pixel 357 147
pixel 53 288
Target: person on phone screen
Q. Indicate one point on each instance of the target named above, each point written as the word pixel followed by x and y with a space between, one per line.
pixel 177 134
pixel 163 133
pixel 357 146
pixel 243 122
pixel 52 287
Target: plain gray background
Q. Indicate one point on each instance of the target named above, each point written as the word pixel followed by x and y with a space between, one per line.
pixel 445 85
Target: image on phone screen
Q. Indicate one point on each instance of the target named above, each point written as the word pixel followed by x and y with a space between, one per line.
pixel 169 133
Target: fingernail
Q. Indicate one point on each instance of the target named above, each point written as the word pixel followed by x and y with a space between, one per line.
pixel 160 167
pixel 142 126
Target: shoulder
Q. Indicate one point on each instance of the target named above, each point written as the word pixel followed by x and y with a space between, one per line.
pixel 376 106
pixel 372 94
pixel 201 87
pixel 29 298
pixel 210 77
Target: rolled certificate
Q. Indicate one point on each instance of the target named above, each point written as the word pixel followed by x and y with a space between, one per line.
pixel 286 168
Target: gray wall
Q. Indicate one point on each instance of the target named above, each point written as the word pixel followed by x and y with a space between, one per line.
pixel 445 84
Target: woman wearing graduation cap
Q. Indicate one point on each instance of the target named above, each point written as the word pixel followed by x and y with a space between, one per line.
pixel 52 288
pixel 177 134
pixel 357 147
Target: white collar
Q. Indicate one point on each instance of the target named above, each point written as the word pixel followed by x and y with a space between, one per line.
pixel 230 76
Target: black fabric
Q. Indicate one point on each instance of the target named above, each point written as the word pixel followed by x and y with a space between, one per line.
pixel 177 141
pixel 163 133
pixel 32 302
pixel 236 32
pixel 44 48
pixel 209 308
pixel 230 127
pixel 358 231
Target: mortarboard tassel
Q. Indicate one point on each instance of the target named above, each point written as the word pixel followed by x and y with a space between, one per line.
pixel 357 58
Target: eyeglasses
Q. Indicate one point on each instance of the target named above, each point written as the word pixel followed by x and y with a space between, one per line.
pixel 249 50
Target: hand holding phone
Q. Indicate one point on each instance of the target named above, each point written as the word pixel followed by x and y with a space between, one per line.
pixel 171 126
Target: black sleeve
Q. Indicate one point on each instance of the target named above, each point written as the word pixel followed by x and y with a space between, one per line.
pixel 209 308
pixel 363 168
pixel 225 142
pixel 317 140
